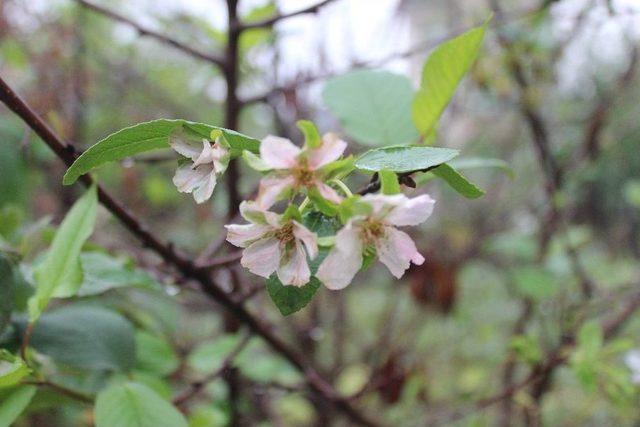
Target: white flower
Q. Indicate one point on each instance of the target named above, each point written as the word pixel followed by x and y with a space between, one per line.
pixel 296 168
pixel 632 360
pixel 274 244
pixel 394 248
pixel 199 177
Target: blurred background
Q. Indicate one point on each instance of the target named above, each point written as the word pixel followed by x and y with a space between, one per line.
pixel 509 279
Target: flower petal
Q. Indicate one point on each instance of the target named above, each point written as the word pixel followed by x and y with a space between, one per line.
pixel 180 144
pixel 295 270
pixel 279 153
pixel 187 178
pixel 397 250
pixel 411 211
pixel 204 191
pixel 331 149
pixel 272 189
pixel 206 155
pixel 262 257
pixel 242 235
pixel 344 260
pixel 328 193
pixel 309 238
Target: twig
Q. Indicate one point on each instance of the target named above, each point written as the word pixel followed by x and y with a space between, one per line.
pixel 196 387
pixel 62 390
pixel 280 17
pixel 221 261
pixel 186 267
pixel 143 31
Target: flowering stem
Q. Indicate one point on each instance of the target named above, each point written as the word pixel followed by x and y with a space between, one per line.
pixel 343 187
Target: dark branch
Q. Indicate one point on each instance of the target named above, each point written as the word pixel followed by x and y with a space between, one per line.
pixel 280 17
pixel 143 31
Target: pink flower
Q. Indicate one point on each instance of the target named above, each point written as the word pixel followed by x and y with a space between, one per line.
pixel 274 244
pixel 296 168
pixel 199 177
pixel 394 248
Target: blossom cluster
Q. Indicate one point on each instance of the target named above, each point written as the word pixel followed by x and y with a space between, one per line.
pixel 279 242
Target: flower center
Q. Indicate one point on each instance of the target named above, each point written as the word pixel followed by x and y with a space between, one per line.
pixel 285 234
pixel 302 174
pixel 372 230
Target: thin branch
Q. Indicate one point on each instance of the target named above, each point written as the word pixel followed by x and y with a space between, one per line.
pixel 195 388
pixel 280 17
pixel 144 31
pixel 186 267
pixel 221 261
pixel 62 390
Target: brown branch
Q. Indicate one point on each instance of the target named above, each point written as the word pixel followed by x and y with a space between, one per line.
pixel 221 261
pixel 189 270
pixel 144 31
pixel 62 390
pixel 280 17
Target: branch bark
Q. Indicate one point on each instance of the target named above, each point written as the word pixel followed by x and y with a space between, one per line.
pixel 280 17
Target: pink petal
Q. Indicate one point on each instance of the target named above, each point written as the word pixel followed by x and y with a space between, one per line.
pixel 383 204
pixel 181 145
pixel 295 270
pixel 331 149
pixel 309 238
pixel 200 181
pixel 411 211
pixel 396 250
pixel 279 153
pixel 344 260
pixel 245 234
pixel 272 189
pixel 206 155
pixel 262 257
pixel 204 192
pixel 328 193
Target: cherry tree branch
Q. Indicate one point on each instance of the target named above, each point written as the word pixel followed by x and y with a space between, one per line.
pixel 182 264
pixel 280 17
pixel 162 38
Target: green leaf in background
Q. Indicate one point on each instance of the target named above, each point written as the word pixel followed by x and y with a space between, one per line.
pixel 149 136
pixel 84 336
pixel 59 273
pixel 404 159
pixel 209 356
pixel 373 107
pixel 12 369
pixel 535 282
pixel 12 405
pixel 7 287
pixel 457 181
pixel 389 182
pixel 311 136
pixel 290 299
pixel 441 74
pixel 155 355
pixel 102 272
pixel 590 338
pixel 135 405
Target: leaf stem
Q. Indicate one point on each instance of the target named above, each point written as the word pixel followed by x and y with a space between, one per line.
pixel 343 187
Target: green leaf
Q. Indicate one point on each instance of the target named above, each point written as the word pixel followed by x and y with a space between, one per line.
pixel 59 273
pixel 374 107
pixel 7 287
pixel 85 337
pixel 208 357
pixel 441 74
pixel 12 369
pixel 404 159
pixel 102 272
pixel 155 355
pixel 149 136
pixel 311 136
pixel 15 403
pixel 135 405
pixel 457 181
pixel 255 162
pixel 322 204
pixel 534 282
pixel 290 299
pixel 389 182
pixel 590 338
